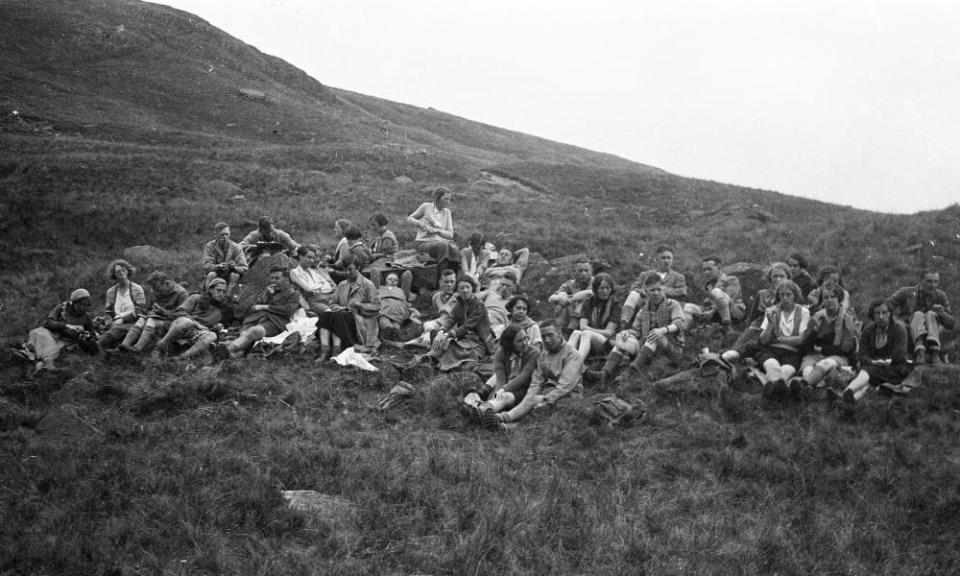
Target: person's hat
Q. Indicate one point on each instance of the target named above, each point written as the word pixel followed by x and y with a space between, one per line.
pixel 79 294
pixel 215 282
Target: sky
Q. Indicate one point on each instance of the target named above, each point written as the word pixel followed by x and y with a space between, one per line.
pixel 848 101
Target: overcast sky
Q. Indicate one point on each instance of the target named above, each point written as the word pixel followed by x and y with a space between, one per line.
pixel 851 102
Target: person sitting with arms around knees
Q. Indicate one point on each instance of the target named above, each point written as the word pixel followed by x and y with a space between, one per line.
pixel 68 324
pixel 569 298
pixel 513 366
pixel 556 377
pixel 465 337
pixel 834 339
pixel 167 297
pixel 883 354
pixel 926 312
pixel 395 310
pixel 126 302
pixel 748 341
pixel 269 316
pixel 224 258
pixel 197 321
pixel 435 230
pixel 782 335
pixel 519 306
pixel 599 320
pixel 266 239
pixel 800 274
pixel 674 285
pixel 352 318
pixel 658 325
pixel 723 303
pixel 829 279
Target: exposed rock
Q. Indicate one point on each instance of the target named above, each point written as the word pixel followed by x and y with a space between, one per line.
pixel 148 258
pixel 336 512
pixel 251 94
pixel 403 180
pixel 222 189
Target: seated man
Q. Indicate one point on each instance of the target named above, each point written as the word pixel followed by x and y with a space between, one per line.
pixel 381 253
pixel 557 376
pixel 674 285
pixel 723 303
pixel 569 298
pixel 442 303
pixel 67 324
pixel 224 258
pixel 926 311
pixel 352 318
pixel 513 366
pixel 269 316
pixel 475 258
pixel 314 284
pixel 833 342
pixel 658 325
pixel 196 321
pixel 167 296
pixel 266 239
pixel 507 262
pixel 395 309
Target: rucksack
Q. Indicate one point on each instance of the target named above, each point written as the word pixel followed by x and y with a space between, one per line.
pixel 613 410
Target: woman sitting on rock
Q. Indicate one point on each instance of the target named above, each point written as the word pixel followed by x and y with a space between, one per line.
pixel 435 230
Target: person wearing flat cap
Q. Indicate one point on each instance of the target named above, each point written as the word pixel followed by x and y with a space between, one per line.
pixel 68 325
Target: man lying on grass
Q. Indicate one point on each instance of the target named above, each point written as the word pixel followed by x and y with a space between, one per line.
pixel 556 377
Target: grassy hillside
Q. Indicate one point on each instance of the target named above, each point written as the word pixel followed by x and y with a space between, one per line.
pixel 137 124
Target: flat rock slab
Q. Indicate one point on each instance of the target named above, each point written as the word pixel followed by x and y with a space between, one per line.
pixel 336 512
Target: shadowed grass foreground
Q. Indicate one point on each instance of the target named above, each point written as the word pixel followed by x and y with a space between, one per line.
pixel 167 469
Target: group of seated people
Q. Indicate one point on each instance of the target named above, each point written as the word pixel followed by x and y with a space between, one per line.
pixel 797 331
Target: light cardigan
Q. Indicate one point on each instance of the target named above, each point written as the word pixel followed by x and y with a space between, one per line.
pixel 136 294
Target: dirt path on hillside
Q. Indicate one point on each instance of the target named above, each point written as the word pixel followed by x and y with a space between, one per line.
pixel 503 181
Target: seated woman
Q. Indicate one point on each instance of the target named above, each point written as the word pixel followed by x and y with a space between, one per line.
pixel 314 284
pixel 435 230
pixel 883 354
pixel 799 274
pixel 782 334
pixel 167 296
pixel 513 366
pixel 746 344
pixel 465 336
pixel 395 310
pixel 829 279
pixel 68 324
pixel 600 319
pixel 126 302
pixel 352 318
pixel 833 342
pixel 518 307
